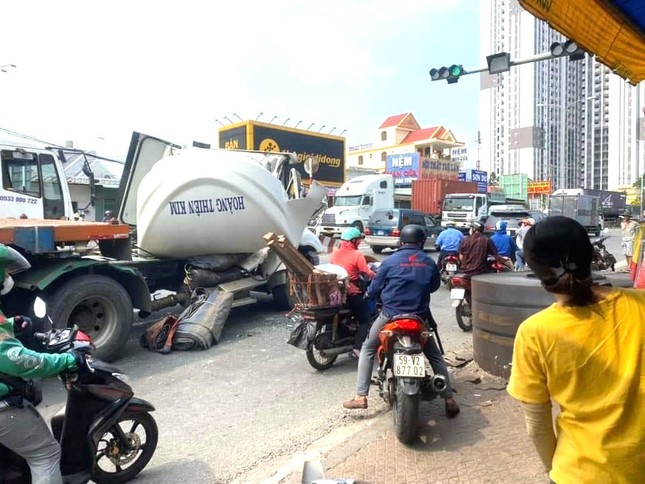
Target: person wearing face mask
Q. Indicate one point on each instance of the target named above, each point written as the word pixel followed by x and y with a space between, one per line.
pixel 22 429
pixel 353 261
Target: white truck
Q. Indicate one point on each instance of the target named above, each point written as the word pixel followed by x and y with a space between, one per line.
pixel 465 208
pixel 355 202
pixel 198 217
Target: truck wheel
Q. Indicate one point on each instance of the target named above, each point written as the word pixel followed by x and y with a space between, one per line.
pixel 100 307
pixel 282 298
pixel 359 226
pixel 376 249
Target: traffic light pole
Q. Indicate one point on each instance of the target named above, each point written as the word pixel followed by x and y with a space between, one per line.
pixel 527 60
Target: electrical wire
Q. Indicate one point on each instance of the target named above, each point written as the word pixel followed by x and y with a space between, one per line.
pixel 59 147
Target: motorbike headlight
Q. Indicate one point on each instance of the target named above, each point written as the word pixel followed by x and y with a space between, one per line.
pixel 120 376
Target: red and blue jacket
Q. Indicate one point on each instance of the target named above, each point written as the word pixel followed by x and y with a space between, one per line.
pixel 404 282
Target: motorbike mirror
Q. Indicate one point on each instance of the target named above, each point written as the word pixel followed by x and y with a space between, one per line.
pixel 40 308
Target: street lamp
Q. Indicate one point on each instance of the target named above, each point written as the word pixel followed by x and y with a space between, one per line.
pixel 234 114
pixel 228 120
pixel 563 115
pixel 298 123
pixel 261 113
pixel 323 127
pixel 310 126
pixel 341 133
pixel 273 119
pixel 286 121
pixel 219 122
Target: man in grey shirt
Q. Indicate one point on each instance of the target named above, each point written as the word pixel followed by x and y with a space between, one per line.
pixel 519 240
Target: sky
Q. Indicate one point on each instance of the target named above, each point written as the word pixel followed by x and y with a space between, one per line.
pixel 94 72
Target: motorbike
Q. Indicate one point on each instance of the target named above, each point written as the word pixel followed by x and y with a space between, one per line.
pixel 602 259
pixel 404 375
pixel 105 433
pixel 327 332
pixel 460 294
pixel 449 267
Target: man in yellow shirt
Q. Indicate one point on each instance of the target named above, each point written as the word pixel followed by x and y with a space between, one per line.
pixel 585 352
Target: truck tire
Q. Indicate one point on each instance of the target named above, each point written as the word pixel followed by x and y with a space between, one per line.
pixel 100 307
pixel 282 297
pixel 377 249
pixel 359 226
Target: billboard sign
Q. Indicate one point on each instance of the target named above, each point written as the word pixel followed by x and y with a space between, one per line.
pixel 233 139
pixel 404 168
pixel 328 152
pixel 542 187
pixel 478 176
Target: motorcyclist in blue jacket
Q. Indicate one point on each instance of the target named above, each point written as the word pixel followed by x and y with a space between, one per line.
pixel 403 283
pixel 448 242
pixel 504 243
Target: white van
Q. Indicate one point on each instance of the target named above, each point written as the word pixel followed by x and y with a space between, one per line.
pixel 355 202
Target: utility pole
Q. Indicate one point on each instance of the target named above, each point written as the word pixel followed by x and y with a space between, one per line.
pixel 479 149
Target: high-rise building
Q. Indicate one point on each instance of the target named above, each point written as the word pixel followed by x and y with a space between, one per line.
pixel 571 122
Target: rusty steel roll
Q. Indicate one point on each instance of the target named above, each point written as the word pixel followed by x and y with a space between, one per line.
pixel 500 303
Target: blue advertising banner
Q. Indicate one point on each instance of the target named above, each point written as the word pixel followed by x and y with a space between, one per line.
pixel 478 176
pixel 403 168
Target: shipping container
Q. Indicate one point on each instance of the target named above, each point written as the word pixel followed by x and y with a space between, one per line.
pixel 515 186
pixel 428 193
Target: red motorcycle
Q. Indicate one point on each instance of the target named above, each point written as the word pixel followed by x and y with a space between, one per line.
pixel 461 293
pixel 404 375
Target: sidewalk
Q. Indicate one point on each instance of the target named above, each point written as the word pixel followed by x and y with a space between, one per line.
pixel 485 443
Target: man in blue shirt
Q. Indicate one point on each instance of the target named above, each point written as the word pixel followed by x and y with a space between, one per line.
pixel 403 283
pixel 504 243
pixel 448 242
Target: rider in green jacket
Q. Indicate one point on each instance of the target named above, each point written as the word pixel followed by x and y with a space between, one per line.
pixel 22 429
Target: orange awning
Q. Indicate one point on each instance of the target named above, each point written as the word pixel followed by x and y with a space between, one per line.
pixel 603 28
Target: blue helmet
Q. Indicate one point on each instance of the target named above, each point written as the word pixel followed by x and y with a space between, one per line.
pixel 501 225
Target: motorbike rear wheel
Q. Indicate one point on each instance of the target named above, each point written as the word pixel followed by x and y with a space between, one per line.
pixel 464 316
pixel 316 357
pixel 117 457
pixel 406 416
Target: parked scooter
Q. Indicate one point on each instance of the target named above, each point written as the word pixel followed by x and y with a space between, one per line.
pixel 106 434
pixel 461 294
pixel 404 374
pixel 602 259
pixel 449 267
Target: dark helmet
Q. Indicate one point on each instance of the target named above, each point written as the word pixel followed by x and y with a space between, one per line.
pixel 477 226
pixel 413 234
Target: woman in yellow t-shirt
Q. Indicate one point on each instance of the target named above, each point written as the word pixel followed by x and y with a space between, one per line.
pixel 584 352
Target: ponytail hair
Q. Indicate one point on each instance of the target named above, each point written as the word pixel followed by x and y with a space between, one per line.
pixel 559 252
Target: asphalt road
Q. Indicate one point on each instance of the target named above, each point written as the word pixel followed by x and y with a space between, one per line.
pixel 250 403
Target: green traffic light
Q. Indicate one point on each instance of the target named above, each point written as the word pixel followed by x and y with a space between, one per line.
pixel 456 71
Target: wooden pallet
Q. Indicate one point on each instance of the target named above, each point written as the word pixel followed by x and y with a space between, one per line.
pixel 309 286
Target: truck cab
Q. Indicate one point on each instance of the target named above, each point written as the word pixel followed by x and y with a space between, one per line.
pixel 355 202
pixel 463 209
pixel 33 184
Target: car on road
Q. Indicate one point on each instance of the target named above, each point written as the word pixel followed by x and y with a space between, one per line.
pixel 384 227
pixel 512 215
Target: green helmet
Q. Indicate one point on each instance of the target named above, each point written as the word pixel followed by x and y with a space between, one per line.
pixel 351 233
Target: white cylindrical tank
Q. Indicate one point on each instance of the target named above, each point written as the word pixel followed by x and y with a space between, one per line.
pixel 203 202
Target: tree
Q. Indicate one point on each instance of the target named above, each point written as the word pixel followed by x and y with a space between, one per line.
pixel 639 181
pixel 492 180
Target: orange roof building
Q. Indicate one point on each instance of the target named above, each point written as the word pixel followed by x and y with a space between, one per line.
pixel 401 134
